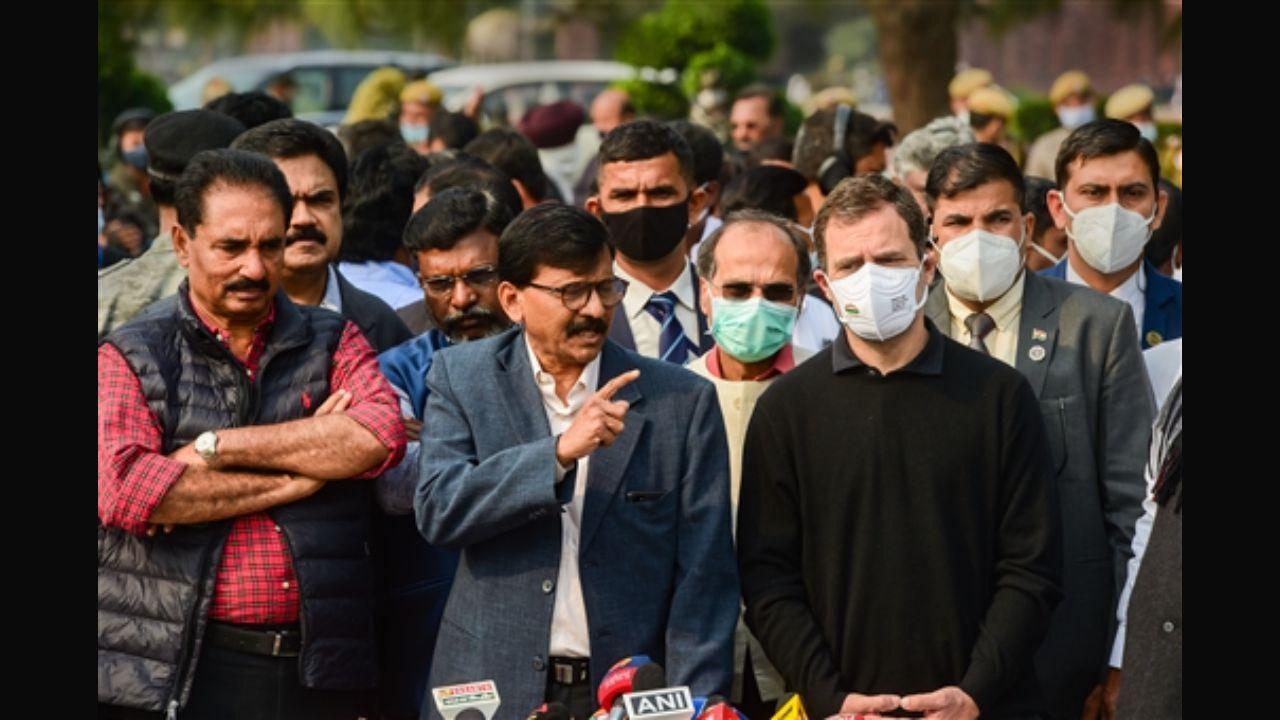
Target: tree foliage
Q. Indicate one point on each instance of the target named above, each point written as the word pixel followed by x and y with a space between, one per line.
pixel 672 36
pixel 736 69
pixel 121 85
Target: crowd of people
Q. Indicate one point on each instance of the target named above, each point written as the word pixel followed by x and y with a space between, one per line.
pixel 889 423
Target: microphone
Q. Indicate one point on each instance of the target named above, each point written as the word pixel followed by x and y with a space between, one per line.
pixel 617 680
pixel 793 709
pixel 646 677
pixel 550 711
pixel 467 701
pixel 665 704
pixel 717 707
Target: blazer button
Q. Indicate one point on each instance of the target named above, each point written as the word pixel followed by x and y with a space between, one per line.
pixel 1168 626
pixel 538 664
pixel 548 586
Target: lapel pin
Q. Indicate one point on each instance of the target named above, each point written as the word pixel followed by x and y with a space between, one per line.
pixel 1039 335
pixel 1036 353
pixel 1154 338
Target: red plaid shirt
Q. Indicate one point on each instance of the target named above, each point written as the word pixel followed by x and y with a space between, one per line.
pixel 255 581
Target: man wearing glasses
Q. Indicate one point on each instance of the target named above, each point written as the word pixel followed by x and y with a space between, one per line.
pixel 753 270
pixel 455 239
pixel 585 486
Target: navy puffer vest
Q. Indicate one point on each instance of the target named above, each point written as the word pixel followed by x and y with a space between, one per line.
pixel 154 592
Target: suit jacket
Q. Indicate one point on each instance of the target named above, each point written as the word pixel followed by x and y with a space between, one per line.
pixel 620 330
pixel 658 576
pixel 1097 406
pixel 379 323
pixel 1162 315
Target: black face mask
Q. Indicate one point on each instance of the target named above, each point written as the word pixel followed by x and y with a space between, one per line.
pixel 648 233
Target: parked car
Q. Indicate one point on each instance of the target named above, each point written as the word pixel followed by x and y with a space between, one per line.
pixel 512 88
pixel 325 79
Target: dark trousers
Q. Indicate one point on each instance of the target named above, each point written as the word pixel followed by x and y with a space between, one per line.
pixel 751 705
pixel 233 684
pixel 577 697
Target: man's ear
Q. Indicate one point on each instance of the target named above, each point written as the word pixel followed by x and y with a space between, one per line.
pixel 181 245
pixel 509 298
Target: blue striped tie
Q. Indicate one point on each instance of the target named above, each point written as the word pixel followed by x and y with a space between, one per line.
pixel 673 346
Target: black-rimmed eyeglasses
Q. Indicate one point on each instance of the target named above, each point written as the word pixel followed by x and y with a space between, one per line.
pixel 476 277
pixel 576 294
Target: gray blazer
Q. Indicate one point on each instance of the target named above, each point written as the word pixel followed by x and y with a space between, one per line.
pixel 656 552
pixel 1097 406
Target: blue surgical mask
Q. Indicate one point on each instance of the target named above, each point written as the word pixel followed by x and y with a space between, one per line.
pixel 413 134
pixel 753 329
pixel 136 157
pixel 1073 117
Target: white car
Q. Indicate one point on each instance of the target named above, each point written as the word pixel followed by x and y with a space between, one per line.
pixel 510 89
pixel 326 79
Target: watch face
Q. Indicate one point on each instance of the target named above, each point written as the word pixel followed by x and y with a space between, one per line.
pixel 207 444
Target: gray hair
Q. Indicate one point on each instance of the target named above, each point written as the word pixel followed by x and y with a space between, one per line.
pixel 920 147
pixel 706 261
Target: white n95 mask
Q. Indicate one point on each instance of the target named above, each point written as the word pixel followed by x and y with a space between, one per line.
pixel 1108 237
pixel 877 302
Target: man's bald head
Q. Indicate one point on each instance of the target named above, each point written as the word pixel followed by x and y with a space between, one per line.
pixel 611 108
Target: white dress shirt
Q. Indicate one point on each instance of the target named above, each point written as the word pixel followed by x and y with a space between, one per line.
pixel 569 636
pixel 645 328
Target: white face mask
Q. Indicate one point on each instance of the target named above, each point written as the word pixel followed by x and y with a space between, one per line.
pixel 1177 273
pixel 980 265
pixel 1044 253
pixel 1108 237
pixel 877 302
pixel 1073 117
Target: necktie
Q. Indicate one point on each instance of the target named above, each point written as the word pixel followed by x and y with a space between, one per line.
pixel 979 325
pixel 673 346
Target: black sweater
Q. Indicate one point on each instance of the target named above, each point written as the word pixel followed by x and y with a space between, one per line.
pixel 899 534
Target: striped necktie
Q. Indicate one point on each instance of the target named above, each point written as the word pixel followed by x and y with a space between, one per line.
pixel 673 345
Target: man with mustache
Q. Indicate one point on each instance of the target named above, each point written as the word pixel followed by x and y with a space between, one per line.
pixel 455 238
pixel 234 431
pixel 315 166
pixel 586 488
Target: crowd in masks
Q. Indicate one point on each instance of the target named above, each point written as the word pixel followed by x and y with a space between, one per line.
pixel 605 416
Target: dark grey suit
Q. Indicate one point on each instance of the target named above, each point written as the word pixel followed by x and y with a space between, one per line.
pixel 656 555
pixel 1097 406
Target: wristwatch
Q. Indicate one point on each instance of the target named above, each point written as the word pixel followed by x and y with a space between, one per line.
pixel 207 446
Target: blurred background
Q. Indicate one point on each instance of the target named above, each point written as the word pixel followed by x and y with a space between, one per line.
pixel 895 57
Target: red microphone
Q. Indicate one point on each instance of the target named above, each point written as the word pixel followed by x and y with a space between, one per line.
pixel 618 681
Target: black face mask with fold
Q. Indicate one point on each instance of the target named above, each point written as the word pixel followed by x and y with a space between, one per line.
pixel 648 233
